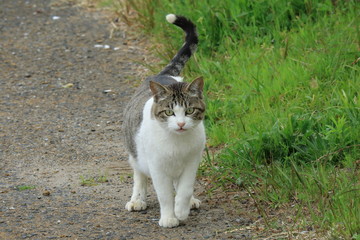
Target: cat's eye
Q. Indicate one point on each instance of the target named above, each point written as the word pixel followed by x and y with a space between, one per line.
pixel 190 111
pixel 169 112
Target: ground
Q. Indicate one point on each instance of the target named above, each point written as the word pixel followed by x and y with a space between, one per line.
pixel 65 75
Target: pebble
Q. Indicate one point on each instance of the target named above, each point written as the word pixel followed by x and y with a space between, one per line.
pixel 101 46
pixel 68 85
pixel 46 193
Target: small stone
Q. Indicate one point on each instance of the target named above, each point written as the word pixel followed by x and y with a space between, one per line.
pixel 68 85
pixel 46 193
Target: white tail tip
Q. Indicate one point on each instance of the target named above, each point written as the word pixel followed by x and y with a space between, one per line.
pixel 171 18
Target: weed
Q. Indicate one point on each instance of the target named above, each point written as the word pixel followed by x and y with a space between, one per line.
pixel 25 187
pixel 93 181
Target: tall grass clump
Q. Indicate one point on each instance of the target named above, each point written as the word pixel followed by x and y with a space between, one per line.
pixel 282 86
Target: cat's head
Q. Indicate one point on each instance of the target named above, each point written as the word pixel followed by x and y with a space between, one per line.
pixel 178 107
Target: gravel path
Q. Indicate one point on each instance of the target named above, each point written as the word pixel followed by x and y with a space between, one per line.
pixel 63 170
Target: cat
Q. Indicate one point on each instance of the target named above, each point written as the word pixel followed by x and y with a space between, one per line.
pixel 165 135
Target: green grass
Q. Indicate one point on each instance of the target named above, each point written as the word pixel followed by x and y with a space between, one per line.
pixel 92 180
pixel 282 92
pixel 25 187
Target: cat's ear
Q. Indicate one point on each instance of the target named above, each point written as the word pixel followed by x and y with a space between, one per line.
pixel 158 90
pixel 196 87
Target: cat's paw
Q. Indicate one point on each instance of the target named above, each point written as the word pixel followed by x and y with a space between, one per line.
pixel 136 205
pixel 194 203
pixel 168 222
pixel 182 213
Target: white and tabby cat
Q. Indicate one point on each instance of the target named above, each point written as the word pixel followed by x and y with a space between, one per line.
pixel 165 136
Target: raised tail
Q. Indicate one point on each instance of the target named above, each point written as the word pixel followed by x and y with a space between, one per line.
pixel 191 41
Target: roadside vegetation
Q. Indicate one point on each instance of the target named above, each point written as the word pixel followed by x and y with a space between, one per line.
pixel 283 107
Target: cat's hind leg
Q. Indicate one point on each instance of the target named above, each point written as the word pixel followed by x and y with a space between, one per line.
pixel 138 198
pixel 194 203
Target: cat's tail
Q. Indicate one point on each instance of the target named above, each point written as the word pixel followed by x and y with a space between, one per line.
pixel 191 41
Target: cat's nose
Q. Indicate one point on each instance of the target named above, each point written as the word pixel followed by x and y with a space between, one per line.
pixel 181 124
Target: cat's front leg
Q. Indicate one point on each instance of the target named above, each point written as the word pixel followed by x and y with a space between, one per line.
pixel 184 199
pixel 164 190
pixel 138 198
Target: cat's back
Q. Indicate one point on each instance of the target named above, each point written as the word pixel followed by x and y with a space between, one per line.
pixel 133 113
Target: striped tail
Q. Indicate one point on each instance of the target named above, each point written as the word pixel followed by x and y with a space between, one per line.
pixel 191 41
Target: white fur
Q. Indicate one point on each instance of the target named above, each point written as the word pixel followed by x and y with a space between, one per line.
pixel 179 79
pixel 171 158
pixel 171 18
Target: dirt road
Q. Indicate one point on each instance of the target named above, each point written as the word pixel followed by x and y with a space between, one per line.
pixel 63 169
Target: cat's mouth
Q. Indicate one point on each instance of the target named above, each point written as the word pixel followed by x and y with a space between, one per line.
pixel 181 130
